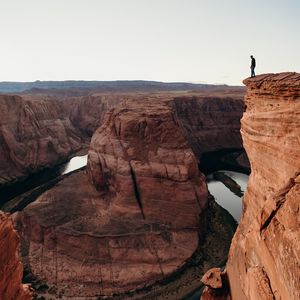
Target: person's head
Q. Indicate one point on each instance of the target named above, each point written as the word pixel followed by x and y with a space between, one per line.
pixel 251 56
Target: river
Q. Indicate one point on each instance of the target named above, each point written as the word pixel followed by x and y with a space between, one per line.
pixel 228 200
pixel 224 197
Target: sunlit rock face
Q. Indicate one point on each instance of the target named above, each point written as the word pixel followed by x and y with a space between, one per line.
pixel 33 134
pixel 11 269
pixel 134 218
pixel 264 261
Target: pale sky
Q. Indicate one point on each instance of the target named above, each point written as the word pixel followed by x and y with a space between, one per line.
pixel 166 40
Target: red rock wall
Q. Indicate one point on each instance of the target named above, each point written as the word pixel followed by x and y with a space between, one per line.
pixel 11 269
pixel 33 134
pixel 210 123
pixel 264 261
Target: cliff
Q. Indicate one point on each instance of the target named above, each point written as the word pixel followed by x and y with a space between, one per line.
pixel 264 260
pixel 210 123
pixel 33 134
pixel 11 269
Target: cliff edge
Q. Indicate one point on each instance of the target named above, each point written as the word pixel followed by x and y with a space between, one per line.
pixel 264 259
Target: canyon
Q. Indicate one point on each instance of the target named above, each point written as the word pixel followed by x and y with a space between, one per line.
pixel 120 206
pixel 140 209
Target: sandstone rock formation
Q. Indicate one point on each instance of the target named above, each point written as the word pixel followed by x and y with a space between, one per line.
pixel 264 261
pixel 11 269
pixel 33 134
pixel 135 218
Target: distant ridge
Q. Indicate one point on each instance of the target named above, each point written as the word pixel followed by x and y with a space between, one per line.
pixel 118 85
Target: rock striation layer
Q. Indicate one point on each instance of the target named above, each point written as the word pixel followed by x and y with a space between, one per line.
pixel 33 135
pixel 210 123
pixel 11 269
pixel 133 219
pixel 264 260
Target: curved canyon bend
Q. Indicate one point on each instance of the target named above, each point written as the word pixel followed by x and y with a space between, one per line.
pixel 138 221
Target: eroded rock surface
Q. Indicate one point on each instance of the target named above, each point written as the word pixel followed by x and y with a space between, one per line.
pixel 264 260
pixel 210 123
pixel 33 135
pixel 217 287
pixel 134 219
pixel 11 269
pixel 86 113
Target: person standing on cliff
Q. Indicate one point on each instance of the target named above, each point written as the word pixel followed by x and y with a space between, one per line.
pixel 253 65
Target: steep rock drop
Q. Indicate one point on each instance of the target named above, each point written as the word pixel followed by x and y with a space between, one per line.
pixel 33 135
pixel 264 258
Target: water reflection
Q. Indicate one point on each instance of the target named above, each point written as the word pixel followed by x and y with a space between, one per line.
pixel 224 197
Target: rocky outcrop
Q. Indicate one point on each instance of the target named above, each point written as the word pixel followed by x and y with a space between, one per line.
pixel 33 135
pixel 11 269
pixel 264 261
pixel 135 219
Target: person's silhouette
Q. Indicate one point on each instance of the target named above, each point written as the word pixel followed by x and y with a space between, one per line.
pixel 253 65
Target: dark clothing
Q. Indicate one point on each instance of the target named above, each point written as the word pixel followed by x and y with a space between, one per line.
pixel 252 67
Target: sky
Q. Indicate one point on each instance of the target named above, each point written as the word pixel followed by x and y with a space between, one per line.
pixel 206 41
